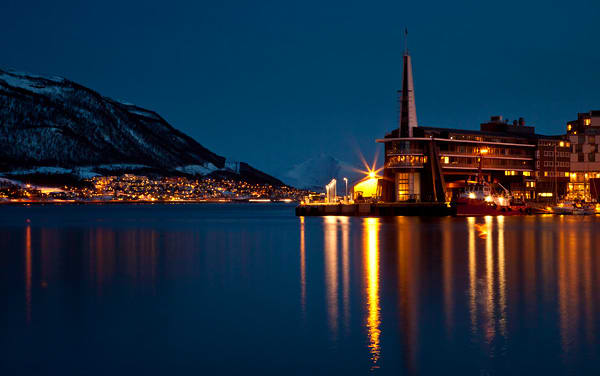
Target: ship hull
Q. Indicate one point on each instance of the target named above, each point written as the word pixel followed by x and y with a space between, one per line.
pixel 473 208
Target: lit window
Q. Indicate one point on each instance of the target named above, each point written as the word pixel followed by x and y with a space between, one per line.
pixel 446 160
pixel 569 127
pixel 587 121
pixel 545 173
pixel 566 174
pixel 562 144
pixel 526 173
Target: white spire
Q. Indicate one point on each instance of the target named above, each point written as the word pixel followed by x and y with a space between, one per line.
pixel 408 109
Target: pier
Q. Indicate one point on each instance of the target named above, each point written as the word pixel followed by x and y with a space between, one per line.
pixel 377 209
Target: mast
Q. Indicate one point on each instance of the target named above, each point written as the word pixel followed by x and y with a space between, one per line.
pixel 408 110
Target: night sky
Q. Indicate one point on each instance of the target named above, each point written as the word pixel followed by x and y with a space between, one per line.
pixel 275 82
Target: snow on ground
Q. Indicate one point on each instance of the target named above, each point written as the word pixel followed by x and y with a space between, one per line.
pixel 85 172
pixel 147 114
pixel 197 169
pixel 121 166
pixel 46 170
pixel 32 83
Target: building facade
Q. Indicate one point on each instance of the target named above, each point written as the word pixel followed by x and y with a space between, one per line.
pixel 584 137
pixel 553 157
pixel 433 164
pixel 436 162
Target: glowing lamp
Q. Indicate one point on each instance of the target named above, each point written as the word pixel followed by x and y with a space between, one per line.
pixel 371 174
pixel 471 195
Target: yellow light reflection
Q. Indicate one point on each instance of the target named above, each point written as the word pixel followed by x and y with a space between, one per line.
pixel 28 274
pixel 302 268
pixel 472 275
pixel 372 273
pixel 588 288
pixel 562 291
pixel 489 267
pixel 331 273
pixel 448 270
pixel 345 224
pixel 502 276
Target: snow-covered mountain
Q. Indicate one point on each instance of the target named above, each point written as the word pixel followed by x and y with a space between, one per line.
pixel 53 124
pixel 316 172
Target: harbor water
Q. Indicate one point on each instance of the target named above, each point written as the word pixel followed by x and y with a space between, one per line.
pixel 251 288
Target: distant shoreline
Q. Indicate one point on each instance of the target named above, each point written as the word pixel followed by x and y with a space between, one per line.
pixel 145 202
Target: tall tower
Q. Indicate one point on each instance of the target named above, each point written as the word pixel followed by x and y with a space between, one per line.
pixel 408 109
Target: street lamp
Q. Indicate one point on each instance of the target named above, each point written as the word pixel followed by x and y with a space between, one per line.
pixel 346 180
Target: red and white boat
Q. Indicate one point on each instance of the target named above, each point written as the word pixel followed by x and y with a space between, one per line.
pixel 479 199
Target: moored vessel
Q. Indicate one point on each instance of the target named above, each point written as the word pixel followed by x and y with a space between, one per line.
pixel 479 199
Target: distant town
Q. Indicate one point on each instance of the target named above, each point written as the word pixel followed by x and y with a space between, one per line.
pixel 134 188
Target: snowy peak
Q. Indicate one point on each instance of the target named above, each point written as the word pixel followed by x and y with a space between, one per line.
pixel 316 172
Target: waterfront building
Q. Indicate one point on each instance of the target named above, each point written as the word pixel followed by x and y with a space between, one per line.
pixel 553 156
pixel 584 136
pixel 428 164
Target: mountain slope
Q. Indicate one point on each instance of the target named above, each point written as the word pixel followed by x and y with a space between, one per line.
pixel 57 122
pixel 51 126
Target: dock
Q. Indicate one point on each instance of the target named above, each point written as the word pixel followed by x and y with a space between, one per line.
pixel 377 209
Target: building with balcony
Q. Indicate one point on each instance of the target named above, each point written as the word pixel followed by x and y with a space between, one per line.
pixel 584 137
pixel 553 156
pixel 432 164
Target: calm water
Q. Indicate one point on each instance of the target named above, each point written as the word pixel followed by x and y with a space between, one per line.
pixel 207 289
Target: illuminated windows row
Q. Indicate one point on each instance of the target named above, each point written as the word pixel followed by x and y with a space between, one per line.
pixel 515 173
pixel 585 175
pixel 558 174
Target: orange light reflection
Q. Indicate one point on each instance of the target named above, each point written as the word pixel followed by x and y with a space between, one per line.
pixel 372 273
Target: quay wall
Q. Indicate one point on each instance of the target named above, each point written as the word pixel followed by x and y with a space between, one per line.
pixel 377 209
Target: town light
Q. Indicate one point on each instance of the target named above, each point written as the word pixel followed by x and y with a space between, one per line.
pixel 346 180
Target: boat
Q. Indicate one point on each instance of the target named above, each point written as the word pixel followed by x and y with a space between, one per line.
pixel 479 199
pixel 574 208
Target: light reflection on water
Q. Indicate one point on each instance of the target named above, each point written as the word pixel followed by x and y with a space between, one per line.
pixel 372 271
pixel 497 277
pixel 413 295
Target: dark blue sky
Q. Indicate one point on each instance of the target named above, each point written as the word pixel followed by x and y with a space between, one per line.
pixel 273 82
